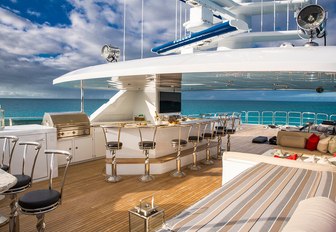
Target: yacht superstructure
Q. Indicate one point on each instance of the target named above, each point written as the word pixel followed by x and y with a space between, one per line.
pixel 232 63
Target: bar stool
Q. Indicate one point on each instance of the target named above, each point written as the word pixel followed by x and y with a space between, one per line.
pixel 178 144
pixel 209 134
pixel 7 140
pixel 231 130
pixel 195 139
pixel 112 146
pixel 220 132
pixel 39 202
pixel 24 181
pixel 147 145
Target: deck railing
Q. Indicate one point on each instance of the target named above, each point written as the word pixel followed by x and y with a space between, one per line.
pixel 293 118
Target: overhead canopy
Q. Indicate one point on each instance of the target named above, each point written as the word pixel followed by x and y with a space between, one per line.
pixel 257 68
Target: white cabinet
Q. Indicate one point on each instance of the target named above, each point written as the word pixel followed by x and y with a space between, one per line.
pixel 79 147
pixel 46 136
pixel 99 142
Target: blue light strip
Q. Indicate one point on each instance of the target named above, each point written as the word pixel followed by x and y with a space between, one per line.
pixel 213 31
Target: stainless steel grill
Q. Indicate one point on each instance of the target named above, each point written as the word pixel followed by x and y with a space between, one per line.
pixel 68 124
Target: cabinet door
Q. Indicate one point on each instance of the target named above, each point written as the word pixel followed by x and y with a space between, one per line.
pixel 66 145
pixel 99 142
pixel 83 148
pixel 41 166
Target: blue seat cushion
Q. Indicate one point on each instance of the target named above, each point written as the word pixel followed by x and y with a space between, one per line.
pixel 147 145
pixel 39 199
pixel 22 180
pixel 208 135
pixel 194 138
pixel 114 145
pixel 182 142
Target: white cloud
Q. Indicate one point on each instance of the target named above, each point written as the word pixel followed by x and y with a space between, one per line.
pixel 31 12
pixel 12 20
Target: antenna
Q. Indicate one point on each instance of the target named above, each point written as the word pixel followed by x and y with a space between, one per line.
pixel 110 53
pixel 312 22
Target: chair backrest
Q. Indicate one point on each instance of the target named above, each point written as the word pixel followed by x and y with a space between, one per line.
pixel 222 120
pixel 187 127
pixel 210 128
pixel 153 129
pixel 197 129
pixel 109 130
pixel 6 145
pixel 36 148
pixel 51 159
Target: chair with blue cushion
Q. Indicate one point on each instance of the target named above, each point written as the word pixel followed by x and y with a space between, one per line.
pixel 112 143
pixel 181 141
pixel 220 132
pixel 42 201
pixel 7 141
pixel 24 180
pixel 195 139
pixel 208 135
pixel 146 145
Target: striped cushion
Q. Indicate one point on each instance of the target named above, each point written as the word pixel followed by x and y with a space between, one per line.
pixel 262 198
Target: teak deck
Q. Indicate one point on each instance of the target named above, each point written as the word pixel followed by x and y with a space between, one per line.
pixel 91 204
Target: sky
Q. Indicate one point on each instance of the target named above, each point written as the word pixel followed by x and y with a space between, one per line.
pixel 41 40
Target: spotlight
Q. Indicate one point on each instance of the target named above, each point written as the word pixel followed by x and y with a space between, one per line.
pixel 110 53
pixel 312 21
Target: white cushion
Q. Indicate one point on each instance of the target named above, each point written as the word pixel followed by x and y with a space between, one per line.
pixel 317 214
pixel 322 146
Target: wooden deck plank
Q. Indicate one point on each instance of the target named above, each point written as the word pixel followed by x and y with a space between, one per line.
pixel 91 204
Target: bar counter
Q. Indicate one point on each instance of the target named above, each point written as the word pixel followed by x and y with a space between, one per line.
pixel 132 157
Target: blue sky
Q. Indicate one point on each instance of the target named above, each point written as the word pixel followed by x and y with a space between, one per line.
pixel 43 39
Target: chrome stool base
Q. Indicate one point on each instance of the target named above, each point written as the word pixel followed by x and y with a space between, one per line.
pixel 195 167
pixel 178 174
pixel 207 162
pixel 146 178
pixel 113 179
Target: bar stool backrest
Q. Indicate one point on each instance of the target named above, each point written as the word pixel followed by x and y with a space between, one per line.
pixel 181 135
pixel 27 146
pixel 210 128
pixel 51 158
pixel 7 140
pixel 148 127
pixel 197 129
pixel 109 131
pixel 222 120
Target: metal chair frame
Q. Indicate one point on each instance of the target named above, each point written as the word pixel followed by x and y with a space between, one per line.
pixel 40 212
pixel 195 143
pixel 211 124
pixel 222 122
pixel 147 177
pixel 7 140
pixel 14 223
pixel 178 172
pixel 113 178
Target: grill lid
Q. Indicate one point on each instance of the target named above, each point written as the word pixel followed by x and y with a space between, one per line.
pixel 67 119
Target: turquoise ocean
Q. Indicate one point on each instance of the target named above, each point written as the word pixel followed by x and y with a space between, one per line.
pixel 15 107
